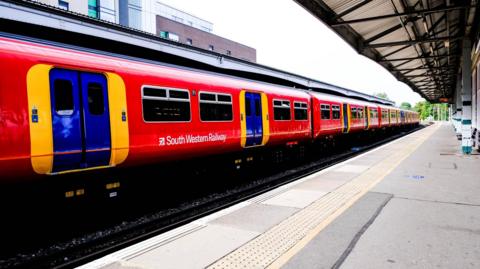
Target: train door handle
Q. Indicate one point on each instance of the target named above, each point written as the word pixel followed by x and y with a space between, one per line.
pixel 241 116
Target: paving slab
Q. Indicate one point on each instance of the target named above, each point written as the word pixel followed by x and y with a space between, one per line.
pixel 337 175
pixel 420 234
pixel 256 217
pixel 320 184
pixel 195 250
pixel 295 198
pixel 431 174
pixel 351 168
pixel 325 250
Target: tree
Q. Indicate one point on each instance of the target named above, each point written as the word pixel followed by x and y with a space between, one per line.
pixel 424 108
pixel 382 95
pixel 406 105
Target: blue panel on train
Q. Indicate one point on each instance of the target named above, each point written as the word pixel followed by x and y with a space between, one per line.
pixel 96 119
pixel 253 111
pixel 345 118
pixel 66 120
pixel 80 118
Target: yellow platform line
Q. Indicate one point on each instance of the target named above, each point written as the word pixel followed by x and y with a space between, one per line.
pixel 275 247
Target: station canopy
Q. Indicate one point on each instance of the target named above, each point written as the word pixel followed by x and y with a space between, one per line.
pixel 418 41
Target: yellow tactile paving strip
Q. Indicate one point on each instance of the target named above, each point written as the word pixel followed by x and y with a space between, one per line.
pixel 276 246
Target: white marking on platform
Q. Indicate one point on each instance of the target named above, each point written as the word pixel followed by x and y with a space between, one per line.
pixel 195 250
pixel 352 168
pixel 295 198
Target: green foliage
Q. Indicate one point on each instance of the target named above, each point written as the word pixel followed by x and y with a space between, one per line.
pixel 406 105
pixel 381 95
pixel 435 111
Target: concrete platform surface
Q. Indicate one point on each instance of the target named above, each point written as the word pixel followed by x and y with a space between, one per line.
pixel 413 203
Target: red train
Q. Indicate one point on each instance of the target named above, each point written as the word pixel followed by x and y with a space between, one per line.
pixel 63 111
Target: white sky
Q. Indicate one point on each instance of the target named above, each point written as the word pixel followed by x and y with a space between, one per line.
pixel 289 38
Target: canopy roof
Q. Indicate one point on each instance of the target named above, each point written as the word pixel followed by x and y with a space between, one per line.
pixel 418 41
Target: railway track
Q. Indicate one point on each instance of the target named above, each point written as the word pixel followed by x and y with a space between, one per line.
pixel 94 245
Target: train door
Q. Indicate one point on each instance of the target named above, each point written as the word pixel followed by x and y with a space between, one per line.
pixel 253 118
pixel 80 119
pixel 367 116
pixel 346 126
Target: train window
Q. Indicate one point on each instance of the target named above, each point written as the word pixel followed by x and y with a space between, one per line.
pixel 63 91
pixel 360 113
pixel 163 104
pixel 207 97
pixel 175 94
pixel 248 107
pixel 257 107
pixel 353 112
pixel 215 107
pixel 281 110
pixel 155 92
pixel 325 112
pixel 300 110
pixel 335 112
pixel 95 99
pixel 224 98
pixel 384 114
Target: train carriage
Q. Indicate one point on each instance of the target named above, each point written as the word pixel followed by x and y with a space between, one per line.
pixel 77 111
pixel 328 115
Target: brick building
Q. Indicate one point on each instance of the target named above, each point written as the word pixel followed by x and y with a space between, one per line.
pixel 189 35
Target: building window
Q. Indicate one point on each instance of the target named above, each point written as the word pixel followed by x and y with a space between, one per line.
pixel 300 110
pixel 281 110
pixel 93 9
pixel 161 104
pixel 229 52
pixel 335 112
pixel 173 37
pixel 325 111
pixel 211 47
pixel 189 41
pixel 135 16
pixel 176 18
pixel 63 4
pixel 215 107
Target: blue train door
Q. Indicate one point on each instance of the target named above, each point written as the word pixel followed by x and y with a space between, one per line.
pixel 96 119
pixel 345 118
pixel 367 114
pixel 253 112
pixel 80 119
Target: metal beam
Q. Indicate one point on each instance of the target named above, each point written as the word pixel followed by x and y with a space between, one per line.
pixel 415 58
pixel 400 14
pixel 411 42
pixel 423 67
pixel 352 9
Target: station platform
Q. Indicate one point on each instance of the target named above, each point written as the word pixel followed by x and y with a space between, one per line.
pixel 412 203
